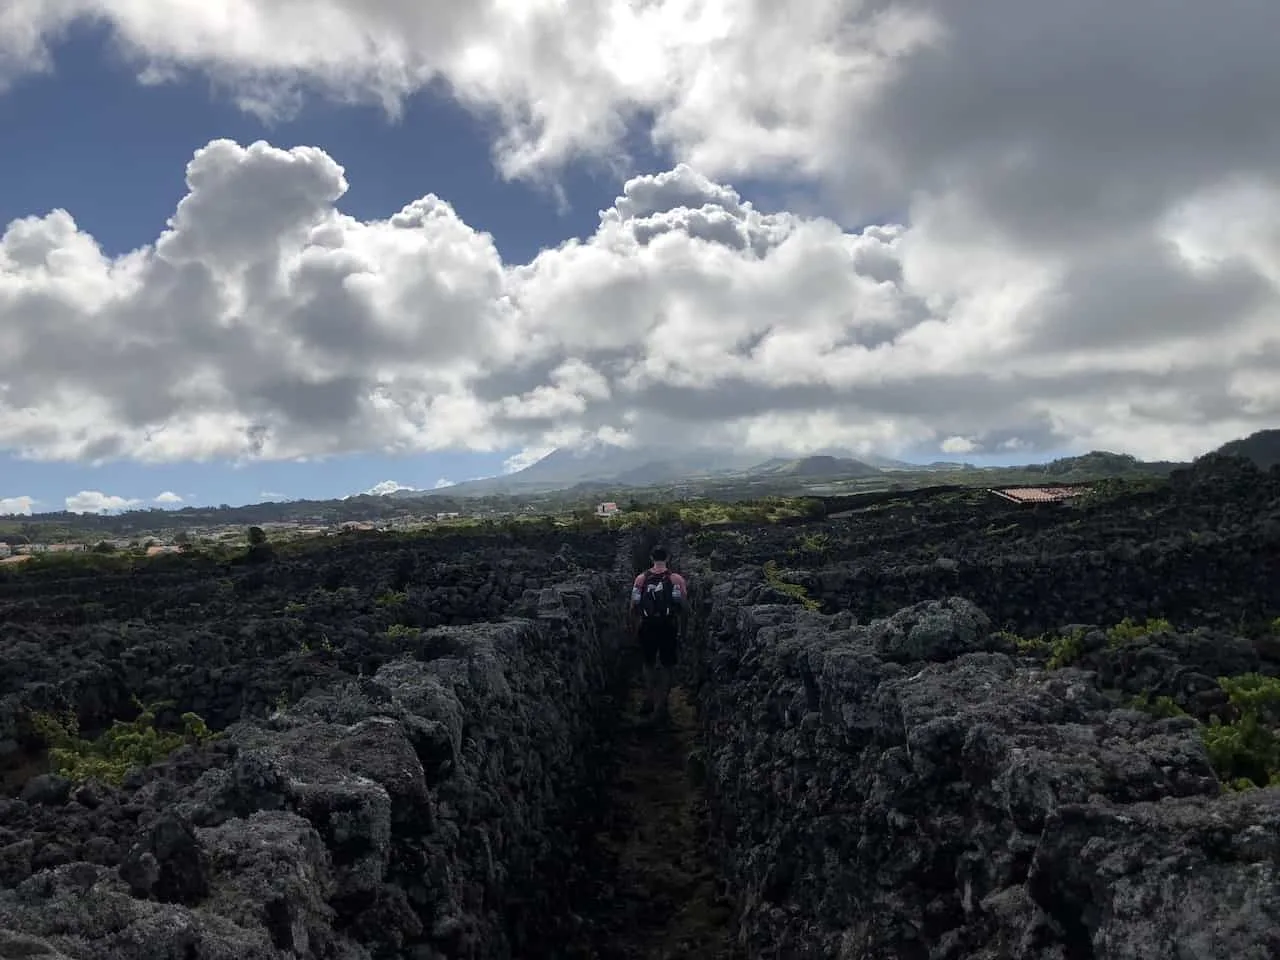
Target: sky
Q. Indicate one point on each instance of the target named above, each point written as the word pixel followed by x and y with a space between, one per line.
pixel 266 249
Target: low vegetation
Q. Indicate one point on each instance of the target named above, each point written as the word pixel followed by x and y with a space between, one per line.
pixel 1130 631
pixel 774 578
pixel 1065 649
pixel 122 747
pixel 1244 745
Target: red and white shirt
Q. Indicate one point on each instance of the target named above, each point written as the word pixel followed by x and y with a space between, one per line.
pixel 679 586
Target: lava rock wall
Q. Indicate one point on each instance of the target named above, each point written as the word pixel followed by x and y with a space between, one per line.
pixel 431 807
pixel 1204 550
pixel 910 788
pixel 231 643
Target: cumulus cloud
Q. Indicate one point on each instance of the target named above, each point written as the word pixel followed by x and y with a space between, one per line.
pixel 384 488
pixel 168 497
pixel 731 83
pixel 392 486
pixel 275 327
pixel 957 445
pixel 1038 112
pixel 94 501
pixel 1073 208
pixel 11 506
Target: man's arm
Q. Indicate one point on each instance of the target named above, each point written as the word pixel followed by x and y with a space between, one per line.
pixel 684 607
pixel 633 609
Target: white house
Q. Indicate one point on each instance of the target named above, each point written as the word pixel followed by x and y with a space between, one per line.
pixel 606 509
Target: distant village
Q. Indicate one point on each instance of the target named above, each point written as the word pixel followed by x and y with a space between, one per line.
pixel 16 549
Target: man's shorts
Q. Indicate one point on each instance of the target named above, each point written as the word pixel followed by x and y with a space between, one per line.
pixel 659 640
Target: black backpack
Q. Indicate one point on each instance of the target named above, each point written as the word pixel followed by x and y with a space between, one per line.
pixel 657 597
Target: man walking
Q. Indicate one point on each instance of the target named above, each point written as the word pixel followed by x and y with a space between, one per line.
pixel 659 615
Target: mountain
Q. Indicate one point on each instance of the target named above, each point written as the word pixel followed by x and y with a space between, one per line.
pixel 624 466
pixel 1095 464
pixel 884 463
pixel 605 469
pixel 407 493
pixel 819 466
pixel 1263 448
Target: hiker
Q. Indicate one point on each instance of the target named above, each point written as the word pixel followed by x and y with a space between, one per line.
pixel 659 614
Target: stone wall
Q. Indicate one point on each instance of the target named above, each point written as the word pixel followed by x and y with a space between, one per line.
pixel 1204 551
pixel 435 806
pixel 231 643
pixel 909 788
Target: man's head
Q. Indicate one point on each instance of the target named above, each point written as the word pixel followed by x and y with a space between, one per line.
pixel 658 555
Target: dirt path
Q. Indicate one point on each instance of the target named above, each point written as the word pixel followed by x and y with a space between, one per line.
pixel 660 899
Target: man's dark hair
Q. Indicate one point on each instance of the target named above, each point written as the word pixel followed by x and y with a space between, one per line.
pixel 658 554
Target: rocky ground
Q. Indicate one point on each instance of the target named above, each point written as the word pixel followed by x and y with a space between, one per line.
pixel 659 896
pixel 940 726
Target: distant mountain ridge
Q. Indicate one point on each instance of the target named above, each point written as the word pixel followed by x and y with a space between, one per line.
pixel 817 466
pixel 563 468
pixel 608 472
pixel 604 468
pixel 1262 447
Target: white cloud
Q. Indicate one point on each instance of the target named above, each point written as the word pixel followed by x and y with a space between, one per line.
pixel 688 316
pixel 94 501
pixel 267 495
pixel 168 497
pixel 526 458
pixel 732 83
pixel 10 506
pixel 1041 271
pixel 958 445
pixel 392 486
pixel 385 487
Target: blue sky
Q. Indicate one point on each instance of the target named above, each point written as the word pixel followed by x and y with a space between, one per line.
pixel 90 118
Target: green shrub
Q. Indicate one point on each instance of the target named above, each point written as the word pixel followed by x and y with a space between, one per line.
pixel 402 631
pixel 325 644
pixel 795 590
pixel 1025 645
pixel 109 757
pixel 1066 650
pixel 814 547
pixel 1069 648
pixel 1162 706
pixel 391 598
pixel 87 561
pixel 1245 750
pixel 1128 630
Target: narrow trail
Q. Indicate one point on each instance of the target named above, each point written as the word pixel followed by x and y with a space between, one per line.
pixel 660 899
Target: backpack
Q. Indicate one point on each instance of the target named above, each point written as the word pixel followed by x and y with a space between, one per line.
pixel 657 597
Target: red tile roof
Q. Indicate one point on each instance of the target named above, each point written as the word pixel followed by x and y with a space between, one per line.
pixel 1038 494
